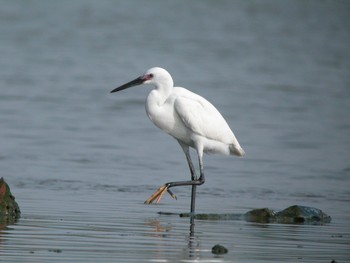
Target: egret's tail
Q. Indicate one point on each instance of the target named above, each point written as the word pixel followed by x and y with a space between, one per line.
pixel 236 150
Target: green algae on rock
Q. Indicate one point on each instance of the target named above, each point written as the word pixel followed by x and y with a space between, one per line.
pixel 9 209
pixel 263 215
pixel 298 214
pixel 295 214
pixel 212 216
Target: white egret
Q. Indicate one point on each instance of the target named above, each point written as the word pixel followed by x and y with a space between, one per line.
pixel 190 119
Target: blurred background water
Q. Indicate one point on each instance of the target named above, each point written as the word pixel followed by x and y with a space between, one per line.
pixel 81 161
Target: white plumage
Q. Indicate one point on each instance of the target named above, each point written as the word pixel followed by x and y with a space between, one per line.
pixel 190 119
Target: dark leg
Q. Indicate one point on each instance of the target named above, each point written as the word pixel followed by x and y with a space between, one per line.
pixel 186 150
pixel 193 198
pixel 201 179
pixel 193 176
pixel 194 182
pixel 165 188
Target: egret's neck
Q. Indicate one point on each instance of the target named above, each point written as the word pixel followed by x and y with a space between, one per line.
pixel 161 91
pixel 158 96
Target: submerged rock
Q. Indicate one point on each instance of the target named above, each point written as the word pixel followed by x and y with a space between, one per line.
pixel 295 214
pixel 219 249
pixel 298 214
pixel 9 209
pixel 212 216
pixel 263 215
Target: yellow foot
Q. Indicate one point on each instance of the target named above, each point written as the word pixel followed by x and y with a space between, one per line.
pixel 159 194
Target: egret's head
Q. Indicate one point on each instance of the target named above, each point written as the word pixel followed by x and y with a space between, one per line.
pixel 156 76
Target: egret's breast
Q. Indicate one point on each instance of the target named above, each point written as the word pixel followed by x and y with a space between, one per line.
pixel 165 118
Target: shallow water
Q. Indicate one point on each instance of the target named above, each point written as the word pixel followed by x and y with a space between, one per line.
pixel 81 161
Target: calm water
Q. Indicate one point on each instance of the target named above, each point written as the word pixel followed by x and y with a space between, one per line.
pixel 81 161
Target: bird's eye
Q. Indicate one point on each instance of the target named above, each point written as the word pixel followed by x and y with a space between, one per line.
pixel 147 77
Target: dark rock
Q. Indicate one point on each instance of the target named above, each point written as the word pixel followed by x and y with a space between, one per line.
pixel 9 209
pixel 219 249
pixel 263 215
pixel 298 214
pixel 212 216
pixel 295 214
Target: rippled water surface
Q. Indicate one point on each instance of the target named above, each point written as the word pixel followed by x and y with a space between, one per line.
pixel 81 161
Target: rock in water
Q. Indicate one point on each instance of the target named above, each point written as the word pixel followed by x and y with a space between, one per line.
pixel 298 214
pixel 295 214
pixel 263 215
pixel 219 249
pixel 9 209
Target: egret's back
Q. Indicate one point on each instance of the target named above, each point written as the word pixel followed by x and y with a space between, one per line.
pixel 205 122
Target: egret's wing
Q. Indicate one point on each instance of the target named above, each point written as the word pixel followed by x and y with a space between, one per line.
pixel 202 118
